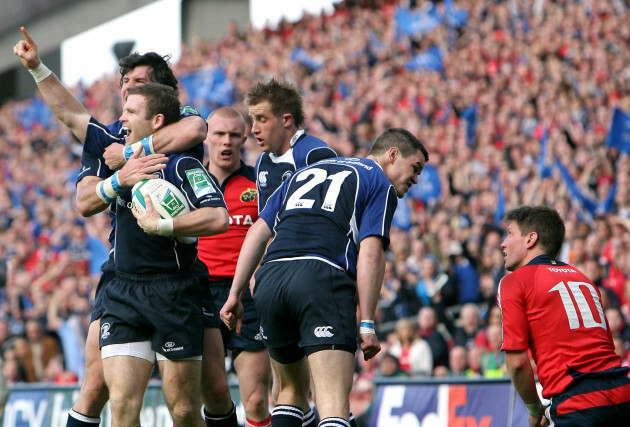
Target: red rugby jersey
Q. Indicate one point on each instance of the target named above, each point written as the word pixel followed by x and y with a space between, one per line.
pixel 220 252
pixel 555 311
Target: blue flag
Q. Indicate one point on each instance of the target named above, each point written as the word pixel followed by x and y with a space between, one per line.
pixel 469 114
pixel 429 187
pixel 429 60
pixel 586 205
pixel 415 22
pixel 208 89
pixel 619 133
pixel 454 17
pixel 299 55
pixel 500 210
pixel 544 169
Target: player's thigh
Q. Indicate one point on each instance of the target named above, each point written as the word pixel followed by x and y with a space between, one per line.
pixel 93 363
pixel 126 376
pixel 213 356
pixel 181 380
pixel 254 372
pixel 331 372
pixel 292 377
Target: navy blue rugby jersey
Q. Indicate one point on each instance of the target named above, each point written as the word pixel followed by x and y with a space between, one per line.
pixel 99 136
pixel 136 252
pixel 324 211
pixel 272 171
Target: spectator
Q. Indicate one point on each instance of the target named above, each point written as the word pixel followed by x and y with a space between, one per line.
pixel 458 361
pixel 469 326
pixel 413 353
pixel 389 366
pixel 42 347
pixel 427 328
pixel 492 363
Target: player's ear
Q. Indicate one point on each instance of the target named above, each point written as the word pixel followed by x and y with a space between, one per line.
pixel 392 154
pixel 287 120
pixel 532 239
pixel 158 121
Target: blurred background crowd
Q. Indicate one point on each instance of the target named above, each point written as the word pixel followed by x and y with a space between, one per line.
pixel 514 100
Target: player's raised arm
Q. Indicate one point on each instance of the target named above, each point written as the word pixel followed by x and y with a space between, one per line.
pixel 177 137
pixel 63 104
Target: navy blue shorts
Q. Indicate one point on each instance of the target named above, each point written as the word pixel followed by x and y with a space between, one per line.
pixel 597 399
pixel 108 274
pixel 163 309
pixel 249 339
pixel 305 304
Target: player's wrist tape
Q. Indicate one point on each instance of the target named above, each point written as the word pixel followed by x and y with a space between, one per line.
pixel 145 143
pixel 367 327
pixel 40 72
pixel 108 189
pixel 165 227
pixel 534 409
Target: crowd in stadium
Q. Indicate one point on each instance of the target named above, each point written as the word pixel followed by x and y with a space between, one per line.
pixel 513 99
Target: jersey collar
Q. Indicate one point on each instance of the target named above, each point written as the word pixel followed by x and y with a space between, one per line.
pixel 545 260
pixel 297 136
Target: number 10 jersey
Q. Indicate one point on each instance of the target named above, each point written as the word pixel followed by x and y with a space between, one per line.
pixel 555 310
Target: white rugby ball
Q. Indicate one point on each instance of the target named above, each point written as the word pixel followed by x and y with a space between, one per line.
pixel 168 200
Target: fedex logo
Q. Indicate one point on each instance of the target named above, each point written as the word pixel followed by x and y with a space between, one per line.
pixel 443 405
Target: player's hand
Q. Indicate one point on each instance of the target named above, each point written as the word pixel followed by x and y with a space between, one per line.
pixel 370 346
pixel 538 421
pixel 232 313
pixel 114 156
pixel 27 51
pixel 148 220
pixel 136 169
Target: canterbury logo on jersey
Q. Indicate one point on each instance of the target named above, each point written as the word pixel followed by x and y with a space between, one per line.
pixel 323 332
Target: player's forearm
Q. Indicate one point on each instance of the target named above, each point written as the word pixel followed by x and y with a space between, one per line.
pixel 370 271
pixel 201 222
pixel 180 136
pixel 65 106
pixel 251 253
pixel 87 201
pixel 522 375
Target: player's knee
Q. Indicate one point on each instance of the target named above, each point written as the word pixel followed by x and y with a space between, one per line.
pixel 121 403
pixel 183 411
pixel 257 405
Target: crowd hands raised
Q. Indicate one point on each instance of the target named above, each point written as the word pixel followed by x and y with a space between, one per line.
pixel 544 80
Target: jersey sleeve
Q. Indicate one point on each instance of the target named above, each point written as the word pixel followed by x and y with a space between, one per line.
pixel 511 300
pixel 274 203
pixel 379 211
pixel 320 153
pixel 97 138
pixel 195 182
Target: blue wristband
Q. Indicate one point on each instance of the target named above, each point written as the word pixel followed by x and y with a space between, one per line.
pixel 115 182
pixel 146 143
pixel 367 324
pixel 101 193
pixel 128 151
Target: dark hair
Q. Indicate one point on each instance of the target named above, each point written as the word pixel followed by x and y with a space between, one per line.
pixel 542 220
pixel 400 138
pixel 283 97
pixel 160 70
pixel 161 99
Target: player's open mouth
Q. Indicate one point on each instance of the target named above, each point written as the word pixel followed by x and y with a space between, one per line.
pixel 126 130
pixel 226 153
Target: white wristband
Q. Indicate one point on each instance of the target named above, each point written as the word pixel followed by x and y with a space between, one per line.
pixel 40 72
pixel 165 226
pixel 108 189
pixel 364 330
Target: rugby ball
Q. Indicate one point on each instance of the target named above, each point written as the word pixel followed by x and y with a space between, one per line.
pixel 168 200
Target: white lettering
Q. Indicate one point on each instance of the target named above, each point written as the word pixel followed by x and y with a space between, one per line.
pixel 241 220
